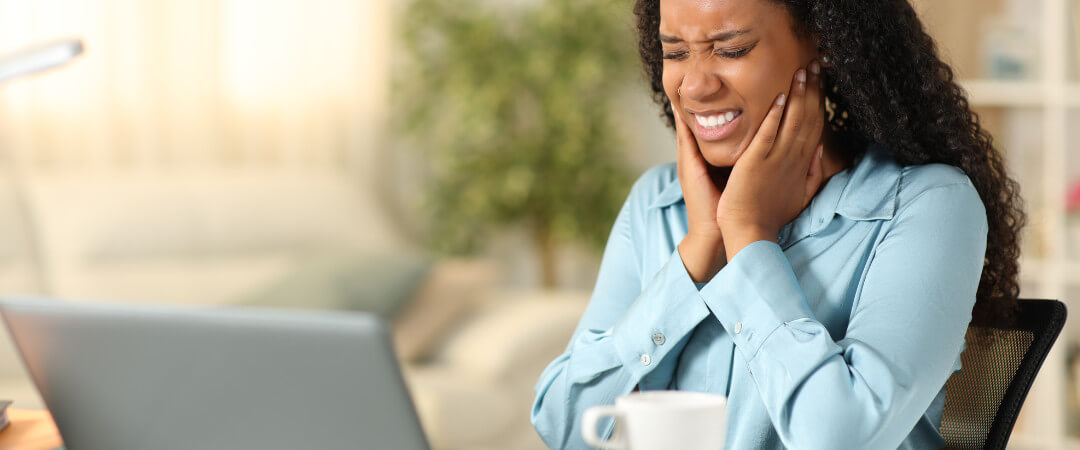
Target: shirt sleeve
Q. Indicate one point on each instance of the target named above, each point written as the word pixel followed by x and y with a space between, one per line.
pixel 630 335
pixel 906 329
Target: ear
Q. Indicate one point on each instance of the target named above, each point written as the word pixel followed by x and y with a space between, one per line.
pixel 811 47
pixel 823 55
pixel 825 59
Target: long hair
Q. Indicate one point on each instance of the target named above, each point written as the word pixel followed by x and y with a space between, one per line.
pixel 886 84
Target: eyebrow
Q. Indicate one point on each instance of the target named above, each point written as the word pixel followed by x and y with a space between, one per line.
pixel 715 36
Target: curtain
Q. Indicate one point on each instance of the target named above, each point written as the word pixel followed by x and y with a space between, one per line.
pixel 169 84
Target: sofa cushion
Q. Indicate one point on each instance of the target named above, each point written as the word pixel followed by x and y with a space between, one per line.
pixel 380 282
pixel 132 216
pixel 513 339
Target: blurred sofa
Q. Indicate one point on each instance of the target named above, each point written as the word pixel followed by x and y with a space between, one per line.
pixel 277 238
pixel 477 391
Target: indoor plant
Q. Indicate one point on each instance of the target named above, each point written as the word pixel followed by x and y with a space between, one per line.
pixel 512 110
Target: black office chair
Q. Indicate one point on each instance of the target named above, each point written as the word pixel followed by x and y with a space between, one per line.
pixel 999 365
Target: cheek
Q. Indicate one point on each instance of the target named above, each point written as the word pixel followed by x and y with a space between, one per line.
pixel 761 94
pixel 671 81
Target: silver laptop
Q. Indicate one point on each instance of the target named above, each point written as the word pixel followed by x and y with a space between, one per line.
pixel 152 377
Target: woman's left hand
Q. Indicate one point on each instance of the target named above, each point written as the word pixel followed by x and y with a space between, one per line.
pixel 780 171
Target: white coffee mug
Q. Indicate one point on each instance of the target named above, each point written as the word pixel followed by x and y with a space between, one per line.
pixel 661 420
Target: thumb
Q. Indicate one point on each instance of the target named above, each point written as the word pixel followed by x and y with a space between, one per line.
pixel 686 145
pixel 814 176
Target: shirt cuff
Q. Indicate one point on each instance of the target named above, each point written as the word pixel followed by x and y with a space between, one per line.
pixel 658 322
pixel 754 294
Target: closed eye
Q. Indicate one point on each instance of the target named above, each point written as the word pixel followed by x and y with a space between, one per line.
pixel 736 53
pixel 675 55
pixel 730 54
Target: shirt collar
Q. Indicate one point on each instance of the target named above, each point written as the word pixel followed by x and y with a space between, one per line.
pixel 671 195
pixel 866 191
pixel 870 194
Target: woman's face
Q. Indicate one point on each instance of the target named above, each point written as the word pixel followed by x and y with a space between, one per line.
pixel 728 59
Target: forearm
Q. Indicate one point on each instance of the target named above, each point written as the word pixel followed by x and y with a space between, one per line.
pixel 640 349
pixel 825 394
pixel 564 392
pixel 867 389
pixel 703 256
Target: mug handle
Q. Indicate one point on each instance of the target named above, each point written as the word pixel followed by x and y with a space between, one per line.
pixel 589 420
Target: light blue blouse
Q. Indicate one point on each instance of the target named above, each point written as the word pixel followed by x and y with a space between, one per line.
pixel 840 337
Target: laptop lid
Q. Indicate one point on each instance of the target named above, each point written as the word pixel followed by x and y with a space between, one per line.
pixel 137 376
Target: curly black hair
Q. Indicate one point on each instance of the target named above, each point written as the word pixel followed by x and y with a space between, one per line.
pixel 886 84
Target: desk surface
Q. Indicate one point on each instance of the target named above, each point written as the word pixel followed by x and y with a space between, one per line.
pixel 30 429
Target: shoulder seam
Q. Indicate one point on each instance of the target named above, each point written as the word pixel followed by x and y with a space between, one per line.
pixel 905 171
pixel 908 203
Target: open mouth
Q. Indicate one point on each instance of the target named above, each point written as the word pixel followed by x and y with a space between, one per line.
pixel 714 126
pixel 717 120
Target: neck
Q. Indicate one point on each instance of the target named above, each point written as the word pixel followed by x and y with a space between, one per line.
pixel 833 158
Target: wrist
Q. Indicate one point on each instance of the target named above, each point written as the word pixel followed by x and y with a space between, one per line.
pixel 710 236
pixel 702 256
pixel 742 237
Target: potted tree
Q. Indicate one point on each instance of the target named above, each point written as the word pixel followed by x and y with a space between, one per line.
pixel 512 111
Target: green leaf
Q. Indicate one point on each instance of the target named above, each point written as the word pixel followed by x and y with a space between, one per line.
pixel 513 109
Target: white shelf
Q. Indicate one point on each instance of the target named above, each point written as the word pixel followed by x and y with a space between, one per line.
pixel 1033 270
pixel 1004 93
pixel 1037 270
pixel 1057 271
pixel 1020 94
pixel 1020 440
pixel 1071 273
pixel 1072 94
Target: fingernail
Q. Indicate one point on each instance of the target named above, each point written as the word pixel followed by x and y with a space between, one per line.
pixel 815 68
pixel 781 99
pixel 801 76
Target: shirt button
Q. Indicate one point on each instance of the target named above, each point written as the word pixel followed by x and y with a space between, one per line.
pixel 658 339
pixel 738 327
pixel 645 360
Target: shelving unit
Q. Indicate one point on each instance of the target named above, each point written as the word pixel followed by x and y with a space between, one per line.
pixel 1005 93
pixel 1050 270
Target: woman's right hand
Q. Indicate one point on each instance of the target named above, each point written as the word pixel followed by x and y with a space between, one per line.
pixel 702 249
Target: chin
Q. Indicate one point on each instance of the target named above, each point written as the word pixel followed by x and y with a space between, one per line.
pixel 719 155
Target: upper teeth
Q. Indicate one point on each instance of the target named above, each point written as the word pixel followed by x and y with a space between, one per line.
pixel 715 120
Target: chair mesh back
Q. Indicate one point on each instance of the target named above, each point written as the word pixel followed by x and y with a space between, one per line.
pixel 974 393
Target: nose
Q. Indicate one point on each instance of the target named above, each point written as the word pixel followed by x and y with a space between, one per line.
pixel 699 82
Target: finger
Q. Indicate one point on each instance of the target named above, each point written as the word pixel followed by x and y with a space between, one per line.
pixel 684 138
pixel 814 112
pixel 815 176
pixel 792 139
pixel 681 158
pixel 766 135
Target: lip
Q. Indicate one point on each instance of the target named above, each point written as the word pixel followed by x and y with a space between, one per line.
pixel 715 134
pixel 710 112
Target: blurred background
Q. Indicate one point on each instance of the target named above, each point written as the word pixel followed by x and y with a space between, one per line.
pixel 454 165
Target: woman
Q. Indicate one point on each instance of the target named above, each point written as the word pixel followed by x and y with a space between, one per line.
pixel 834 220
